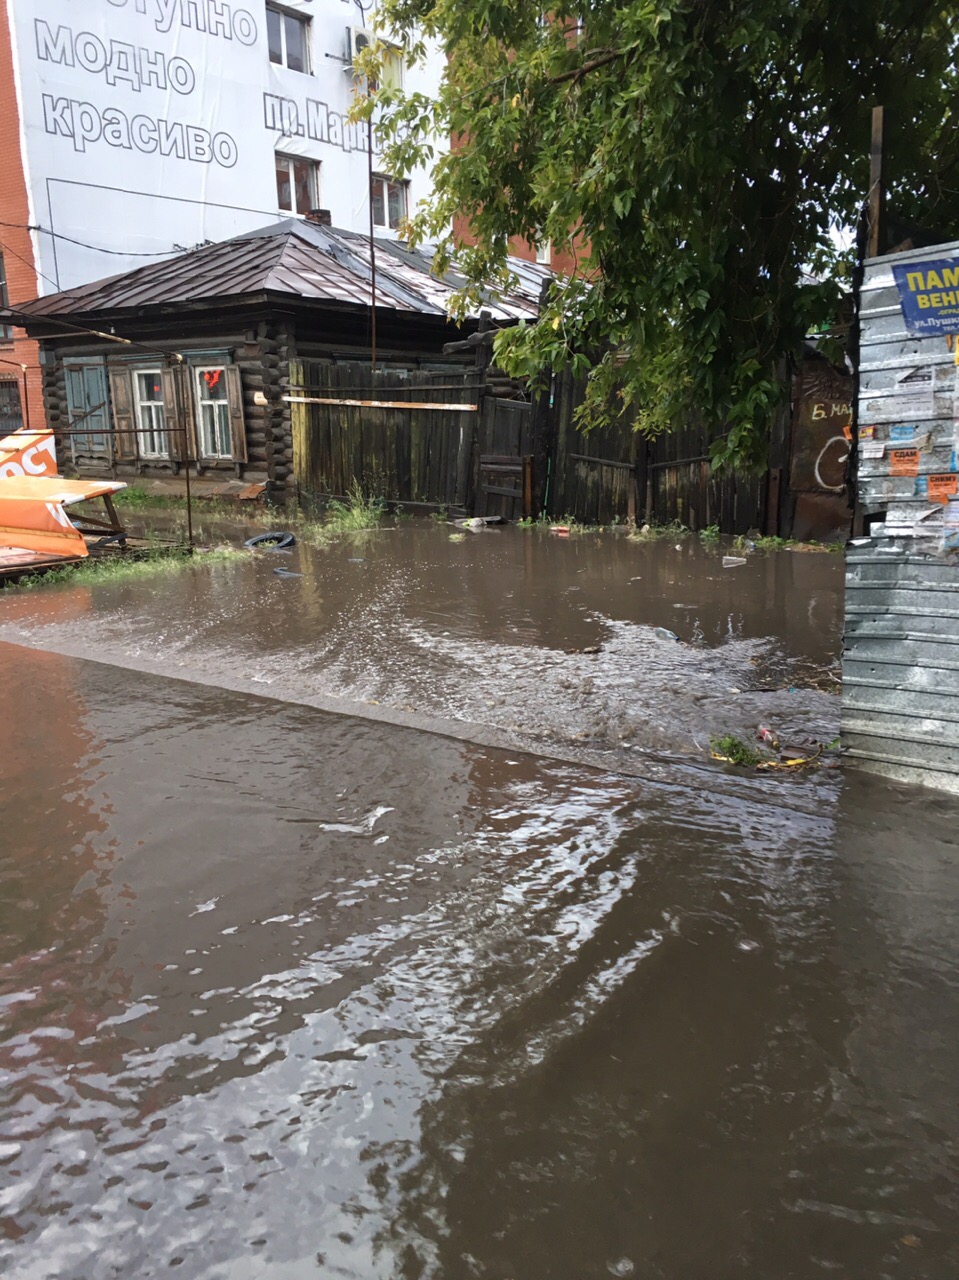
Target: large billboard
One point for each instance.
(150, 126)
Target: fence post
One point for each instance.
(542, 437)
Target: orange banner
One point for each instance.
(39, 526)
(28, 453)
(32, 514)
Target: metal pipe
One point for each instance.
(181, 429)
(369, 152)
(385, 404)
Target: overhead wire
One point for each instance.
(56, 235)
(33, 267)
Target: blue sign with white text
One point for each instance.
(929, 296)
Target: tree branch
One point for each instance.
(602, 61)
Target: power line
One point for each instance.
(32, 266)
(20, 316)
(55, 235)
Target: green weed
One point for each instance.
(135, 495)
(735, 750)
(136, 498)
(357, 512)
(710, 534)
(652, 532)
(123, 569)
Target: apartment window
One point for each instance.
(544, 252)
(297, 184)
(6, 331)
(288, 36)
(150, 415)
(389, 202)
(213, 413)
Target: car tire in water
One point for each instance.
(271, 541)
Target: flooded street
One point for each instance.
(483, 637)
(497, 976)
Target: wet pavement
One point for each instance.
(285, 993)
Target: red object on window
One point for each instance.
(211, 377)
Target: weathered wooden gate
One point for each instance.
(505, 463)
(405, 435)
(594, 476)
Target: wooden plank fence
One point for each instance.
(348, 428)
(415, 455)
(611, 474)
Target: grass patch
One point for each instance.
(135, 498)
(735, 751)
(545, 523)
(135, 495)
(764, 542)
(357, 512)
(125, 569)
(653, 532)
(769, 542)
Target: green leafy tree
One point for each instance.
(704, 150)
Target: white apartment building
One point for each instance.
(150, 126)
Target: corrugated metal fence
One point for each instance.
(901, 661)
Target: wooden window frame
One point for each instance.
(236, 424)
(138, 405)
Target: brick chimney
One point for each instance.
(322, 217)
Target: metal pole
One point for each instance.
(181, 430)
(369, 152)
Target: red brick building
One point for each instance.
(18, 274)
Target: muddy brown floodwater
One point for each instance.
(289, 993)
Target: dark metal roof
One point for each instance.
(297, 259)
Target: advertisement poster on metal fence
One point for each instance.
(929, 295)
